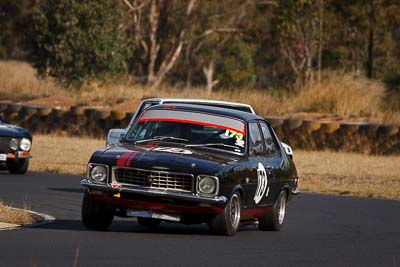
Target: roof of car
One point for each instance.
(201, 101)
(246, 116)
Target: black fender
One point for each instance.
(239, 188)
(286, 187)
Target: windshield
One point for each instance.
(191, 129)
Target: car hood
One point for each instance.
(13, 131)
(164, 158)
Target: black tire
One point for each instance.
(18, 167)
(95, 215)
(227, 222)
(148, 222)
(275, 219)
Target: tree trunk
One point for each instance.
(370, 63)
(321, 23)
(208, 71)
(154, 46)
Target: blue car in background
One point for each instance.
(15, 147)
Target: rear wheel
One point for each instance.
(95, 215)
(18, 167)
(227, 222)
(148, 222)
(275, 219)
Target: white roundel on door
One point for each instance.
(262, 183)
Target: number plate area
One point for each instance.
(3, 157)
(153, 214)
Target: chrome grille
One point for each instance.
(5, 144)
(169, 181)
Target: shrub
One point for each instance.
(73, 40)
(341, 94)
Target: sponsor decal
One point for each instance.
(118, 195)
(174, 150)
(234, 134)
(231, 133)
(239, 143)
(262, 184)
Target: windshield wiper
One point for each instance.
(161, 138)
(212, 144)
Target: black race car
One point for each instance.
(192, 164)
(15, 146)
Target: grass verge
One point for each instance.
(349, 174)
(15, 216)
(320, 172)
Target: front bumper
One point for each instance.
(9, 157)
(217, 200)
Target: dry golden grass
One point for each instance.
(349, 174)
(19, 81)
(323, 172)
(340, 94)
(112, 94)
(62, 154)
(15, 216)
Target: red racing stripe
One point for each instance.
(129, 159)
(122, 159)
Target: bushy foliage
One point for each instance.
(235, 67)
(73, 40)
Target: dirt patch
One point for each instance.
(56, 101)
(128, 106)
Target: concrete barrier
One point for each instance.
(300, 134)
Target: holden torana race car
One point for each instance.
(192, 164)
(15, 146)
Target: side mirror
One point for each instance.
(121, 137)
(114, 136)
(288, 150)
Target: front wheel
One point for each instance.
(95, 215)
(18, 167)
(275, 219)
(227, 222)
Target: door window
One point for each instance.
(270, 142)
(256, 144)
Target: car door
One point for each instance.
(272, 161)
(256, 181)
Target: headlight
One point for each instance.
(207, 185)
(25, 144)
(14, 144)
(98, 173)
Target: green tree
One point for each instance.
(14, 18)
(235, 65)
(73, 40)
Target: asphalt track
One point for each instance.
(320, 230)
